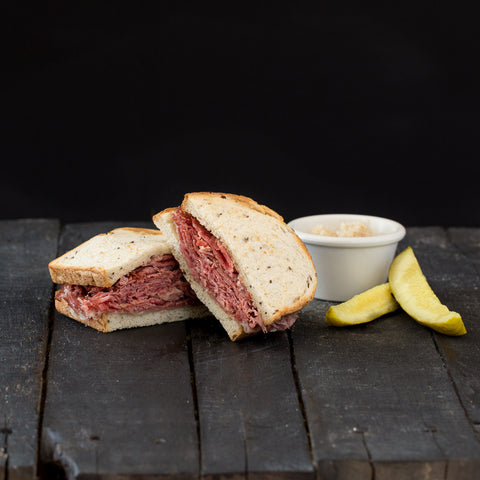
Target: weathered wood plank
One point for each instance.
(386, 400)
(379, 401)
(467, 240)
(462, 294)
(119, 405)
(450, 261)
(26, 247)
(251, 424)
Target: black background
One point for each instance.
(113, 111)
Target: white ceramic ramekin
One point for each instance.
(347, 266)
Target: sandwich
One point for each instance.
(122, 279)
(243, 262)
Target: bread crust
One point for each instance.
(160, 216)
(103, 259)
(249, 202)
(109, 322)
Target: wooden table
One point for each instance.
(387, 400)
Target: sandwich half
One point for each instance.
(243, 262)
(122, 279)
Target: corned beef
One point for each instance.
(212, 267)
(156, 285)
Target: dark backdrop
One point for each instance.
(114, 112)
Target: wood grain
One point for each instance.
(386, 400)
(26, 247)
(251, 423)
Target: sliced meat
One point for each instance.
(212, 267)
(156, 285)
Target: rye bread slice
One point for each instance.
(273, 263)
